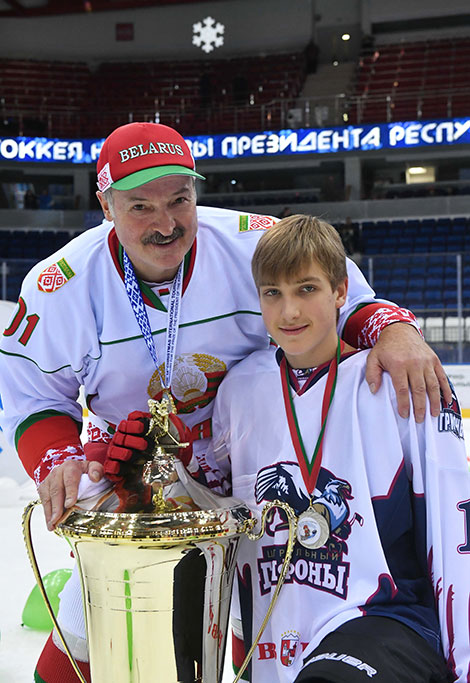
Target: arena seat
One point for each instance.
(198, 96)
(413, 80)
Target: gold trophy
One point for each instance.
(139, 552)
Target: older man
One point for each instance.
(158, 296)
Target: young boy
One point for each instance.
(378, 584)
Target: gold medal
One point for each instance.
(313, 530)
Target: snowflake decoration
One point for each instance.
(206, 34)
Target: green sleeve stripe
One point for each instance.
(37, 417)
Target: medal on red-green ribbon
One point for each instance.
(313, 529)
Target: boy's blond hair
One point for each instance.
(292, 244)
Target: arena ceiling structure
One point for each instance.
(38, 8)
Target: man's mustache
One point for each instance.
(158, 238)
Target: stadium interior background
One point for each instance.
(354, 110)
(235, 73)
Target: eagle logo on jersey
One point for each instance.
(53, 277)
(322, 568)
(450, 417)
(283, 481)
(194, 383)
(254, 221)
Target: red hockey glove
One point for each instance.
(130, 444)
(127, 445)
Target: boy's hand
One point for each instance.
(412, 365)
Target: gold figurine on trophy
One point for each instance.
(160, 472)
(151, 482)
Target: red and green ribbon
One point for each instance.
(309, 467)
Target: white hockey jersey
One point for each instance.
(75, 327)
(397, 495)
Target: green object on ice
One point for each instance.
(35, 614)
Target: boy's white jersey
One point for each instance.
(397, 497)
(75, 326)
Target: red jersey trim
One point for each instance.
(356, 322)
(55, 431)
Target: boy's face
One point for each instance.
(300, 315)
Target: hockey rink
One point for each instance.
(19, 646)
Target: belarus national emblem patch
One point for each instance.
(53, 277)
(254, 221)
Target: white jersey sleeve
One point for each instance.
(217, 457)
(437, 466)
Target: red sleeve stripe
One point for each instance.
(52, 432)
(363, 327)
(356, 321)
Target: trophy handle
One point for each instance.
(292, 520)
(28, 511)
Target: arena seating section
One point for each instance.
(404, 81)
(71, 100)
(409, 81)
(409, 261)
(414, 261)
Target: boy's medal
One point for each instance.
(313, 530)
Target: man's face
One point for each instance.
(156, 224)
(300, 315)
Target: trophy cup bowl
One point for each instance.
(134, 594)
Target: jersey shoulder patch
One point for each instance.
(254, 221)
(53, 277)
